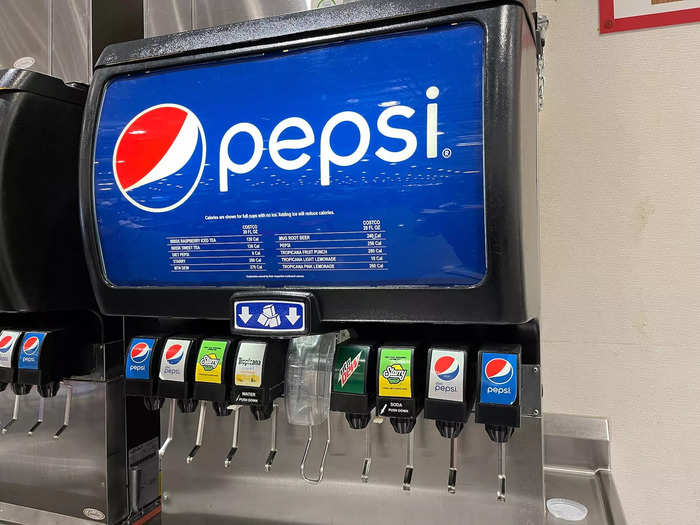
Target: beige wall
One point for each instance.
(620, 221)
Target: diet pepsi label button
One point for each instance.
(173, 360)
(270, 316)
(30, 349)
(446, 380)
(499, 378)
(138, 358)
(8, 340)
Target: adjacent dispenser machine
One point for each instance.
(321, 230)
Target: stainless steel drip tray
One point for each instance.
(206, 492)
(577, 467)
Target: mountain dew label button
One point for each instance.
(395, 372)
(349, 369)
(249, 363)
(209, 361)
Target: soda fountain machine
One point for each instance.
(329, 217)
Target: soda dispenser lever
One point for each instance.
(171, 424)
(400, 393)
(200, 432)
(234, 440)
(319, 478)
(66, 413)
(176, 378)
(15, 415)
(354, 391)
(212, 383)
(273, 439)
(9, 355)
(39, 418)
(308, 389)
(498, 406)
(449, 397)
(258, 380)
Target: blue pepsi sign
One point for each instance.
(271, 316)
(499, 378)
(138, 358)
(30, 349)
(352, 164)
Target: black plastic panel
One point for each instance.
(42, 263)
(510, 291)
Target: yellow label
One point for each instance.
(210, 362)
(395, 372)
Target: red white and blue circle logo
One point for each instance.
(159, 157)
(139, 352)
(499, 371)
(31, 345)
(5, 344)
(446, 368)
(174, 354)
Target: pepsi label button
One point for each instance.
(8, 340)
(139, 358)
(30, 349)
(446, 379)
(173, 360)
(499, 378)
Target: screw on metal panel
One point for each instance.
(608, 24)
(535, 370)
(535, 412)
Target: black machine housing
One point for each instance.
(42, 266)
(509, 294)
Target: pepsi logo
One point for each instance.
(174, 354)
(5, 343)
(499, 371)
(31, 345)
(159, 157)
(139, 352)
(446, 368)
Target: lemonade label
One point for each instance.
(209, 359)
(395, 372)
(249, 363)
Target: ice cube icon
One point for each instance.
(269, 317)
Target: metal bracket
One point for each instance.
(542, 26)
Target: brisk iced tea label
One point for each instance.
(209, 359)
(349, 369)
(395, 372)
(249, 363)
(446, 380)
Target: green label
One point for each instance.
(349, 369)
(395, 372)
(209, 359)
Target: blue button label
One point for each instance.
(30, 350)
(272, 316)
(499, 378)
(138, 358)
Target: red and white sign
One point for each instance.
(625, 15)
